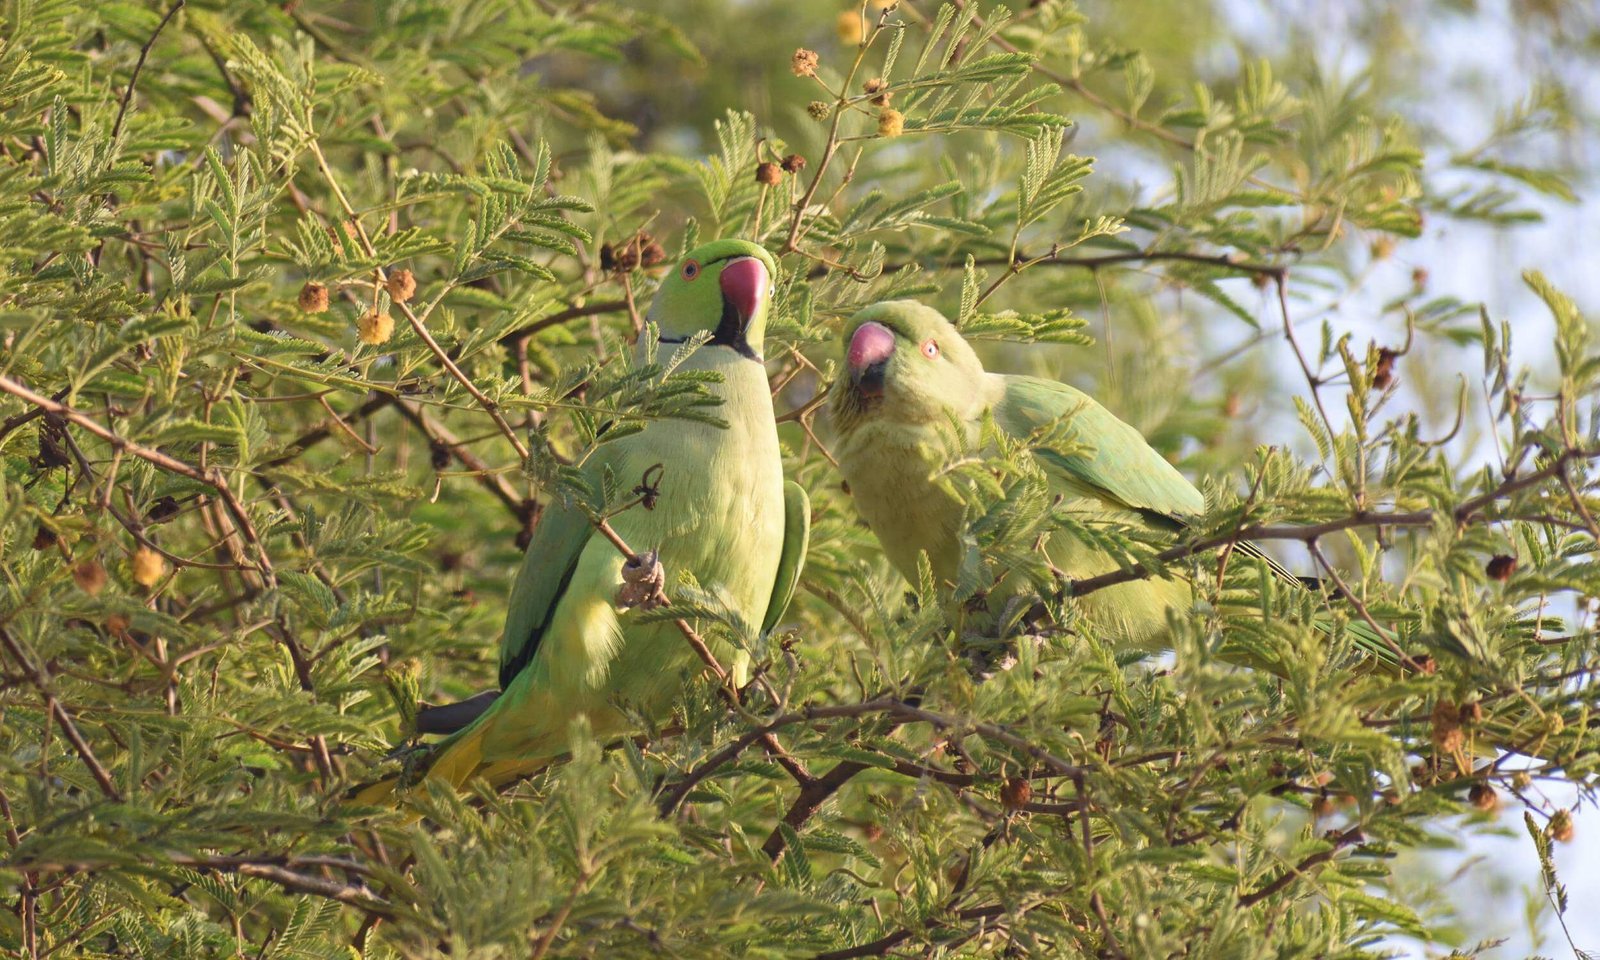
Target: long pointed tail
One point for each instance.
(455, 761)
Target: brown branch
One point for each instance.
(62, 716)
(1339, 841)
(812, 796)
(212, 477)
(543, 946)
(281, 870)
(1465, 513)
(438, 434)
(417, 325)
(560, 317)
(1222, 261)
(144, 54)
(882, 946)
(315, 436)
(890, 706)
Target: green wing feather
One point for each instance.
(547, 567)
(796, 539)
(1122, 468)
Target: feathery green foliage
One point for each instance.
(260, 496)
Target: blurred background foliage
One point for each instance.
(260, 495)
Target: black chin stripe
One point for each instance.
(730, 332)
(741, 348)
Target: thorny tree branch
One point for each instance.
(562, 316)
(138, 67)
(211, 477)
(1465, 513)
(1222, 261)
(417, 324)
(285, 871)
(61, 716)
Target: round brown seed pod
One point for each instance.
(1015, 793)
(402, 286)
(313, 298)
(804, 62)
(1500, 567)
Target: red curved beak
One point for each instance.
(870, 349)
(744, 286)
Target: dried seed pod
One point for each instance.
(1484, 797)
(162, 510)
(1447, 735)
(402, 286)
(313, 298)
(90, 577)
(769, 174)
(793, 163)
(44, 538)
(1560, 827)
(1500, 567)
(804, 62)
(643, 578)
(1383, 371)
(1015, 793)
(639, 250)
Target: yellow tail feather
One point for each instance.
(456, 764)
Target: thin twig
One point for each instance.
(62, 716)
(144, 53)
(212, 477)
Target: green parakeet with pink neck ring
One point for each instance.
(724, 514)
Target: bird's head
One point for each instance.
(906, 363)
(724, 287)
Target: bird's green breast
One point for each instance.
(890, 468)
(719, 517)
(720, 514)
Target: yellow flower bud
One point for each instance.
(851, 30)
(148, 567)
(374, 328)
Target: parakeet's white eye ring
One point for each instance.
(930, 349)
(691, 269)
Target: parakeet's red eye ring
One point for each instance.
(930, 349)
(691, 269)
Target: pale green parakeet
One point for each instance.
(724, 514)
(909, 375)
